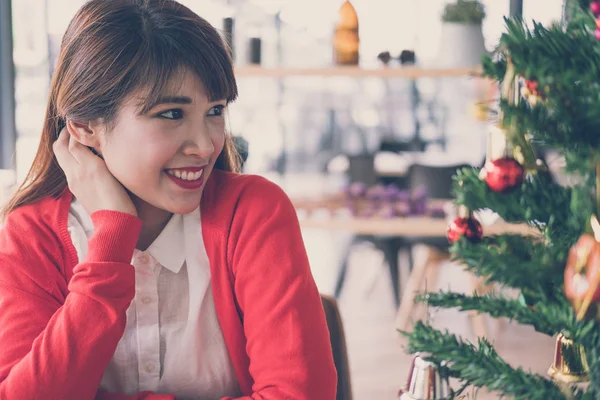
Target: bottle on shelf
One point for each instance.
(345, 39)
(228, 30)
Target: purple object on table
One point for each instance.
(392, 192)
(387, 211)
(402, 209)
(403, 196)
(376, 192)
(418, 201)
(356, 190)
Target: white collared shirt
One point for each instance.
(173, 341)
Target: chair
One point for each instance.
(362, 169)
(338, 345)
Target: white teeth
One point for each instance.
(186, 175)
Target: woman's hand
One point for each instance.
(89, 179)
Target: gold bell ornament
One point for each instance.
(570, 364)
(425, 382)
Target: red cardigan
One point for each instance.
(60, 322)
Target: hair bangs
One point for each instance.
(157, 72)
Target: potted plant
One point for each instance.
(462, 37)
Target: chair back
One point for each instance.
(437, 180)
(361, 168)
(338, 345)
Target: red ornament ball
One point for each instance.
(595, 7)
(467, 227)
(504, 174)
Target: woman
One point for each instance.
(135, 263)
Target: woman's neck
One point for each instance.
(154, 221)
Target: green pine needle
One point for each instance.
(480, 365)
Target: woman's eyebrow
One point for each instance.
(173, 100)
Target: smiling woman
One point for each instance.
(135, 262)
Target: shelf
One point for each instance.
(355, 72)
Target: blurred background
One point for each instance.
(316, 118)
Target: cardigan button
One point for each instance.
(149, 367)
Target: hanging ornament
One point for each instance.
(582, 264)
(486, 90)
(465, 225)
(509, 153)
(479, 111)
(582, 272)
(531, 93)
(504, 174)
(570, 363)
(595, 7)
(425, 382)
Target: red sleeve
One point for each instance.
(52, 346)
(284, 322)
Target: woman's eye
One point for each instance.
(217, 111)
(172, 114)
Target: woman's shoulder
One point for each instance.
(35, 227)
(42, 214)
(30, 242)
(254, 197)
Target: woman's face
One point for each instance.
(165, 156)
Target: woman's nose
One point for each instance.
(200, 145)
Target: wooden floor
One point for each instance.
(378, 362)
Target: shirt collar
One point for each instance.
(168, 249)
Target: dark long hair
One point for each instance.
(112, 48)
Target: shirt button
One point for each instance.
(143, 258)
(147, 300)
(149, 367)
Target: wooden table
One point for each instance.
(424, 274)
(404, 226)
(323, 213)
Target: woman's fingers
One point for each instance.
(61, 150)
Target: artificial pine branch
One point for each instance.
(514, 261)
(546, 318)
(481, 366)
(562, 213)
(567, 69)
(550, 50)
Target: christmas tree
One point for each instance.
(550, 80)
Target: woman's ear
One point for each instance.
(85, 133)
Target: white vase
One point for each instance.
(461, 45)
